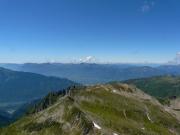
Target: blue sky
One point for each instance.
(109, 30)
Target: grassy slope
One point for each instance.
(163, 86)
(116, 108)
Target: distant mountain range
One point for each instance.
(96, 73)
(108, 108)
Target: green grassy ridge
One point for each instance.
(161, 86)
(31, 124)
(113, 112)
(51, 99)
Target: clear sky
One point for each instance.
(109, 30)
